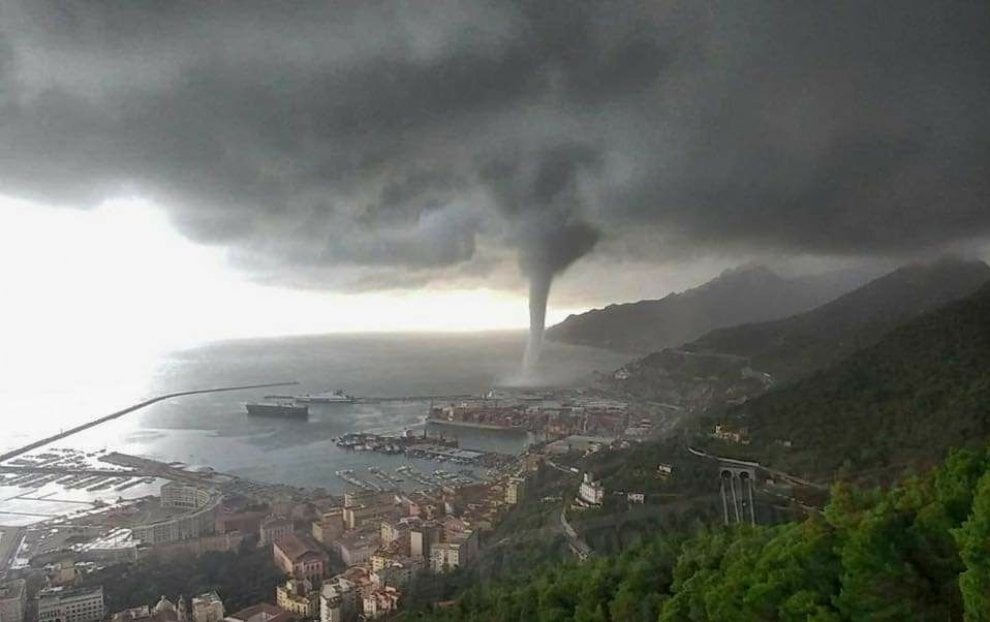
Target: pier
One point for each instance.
(120, 413)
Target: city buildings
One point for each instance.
(244, 522)
(329, 527)
(515, 488)
(134, 614)
(397, 571)
(300, 558)
(379, 602)
(179, 495)
(13, 600)
(166, 611)
(338, 600)
(299, 597)
(355, 547)
(422, 537)
(457, 549)
(207, 607)
(359, 515)
(59, 604)
(273, 529)
(163, 611)
(393, 531)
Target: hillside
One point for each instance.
(791, 347)
(902, 402)
(917, 552)
(733, 364)
(744, 295)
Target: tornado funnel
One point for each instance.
(539, 291)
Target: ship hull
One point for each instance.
(278, 410)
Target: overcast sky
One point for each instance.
(422, 150)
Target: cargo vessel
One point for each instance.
(289, 410)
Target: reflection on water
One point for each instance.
(213, 429)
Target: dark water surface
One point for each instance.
(212, 430)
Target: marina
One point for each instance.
(348, 476)
(438, 449)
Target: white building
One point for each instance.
(59, 604)
(380, 602)
(591, 493)
(338, 601)
(460, 549)
(298, 597)
(13, 599)
(207, 607)
(203, 505)
(178, 495)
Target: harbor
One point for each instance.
(424, 447)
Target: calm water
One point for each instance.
(213, 430)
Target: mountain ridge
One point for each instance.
(898, 404)
(734, 364)
(746, 294)
(795, 345)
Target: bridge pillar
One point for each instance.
(740, 481)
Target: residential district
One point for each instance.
(344, 558)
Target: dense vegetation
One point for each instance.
(241, 578)
(904, 402)
(920, 551)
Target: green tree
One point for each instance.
(974, 544)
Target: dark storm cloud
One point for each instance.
(379, 144)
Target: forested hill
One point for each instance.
(905, 401)
(792, 347)
(744, 295)
(918, 552)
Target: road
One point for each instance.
(120, 413)
(578, 546)
(794, 479)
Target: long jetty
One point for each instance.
(386, 398)
(120, 413)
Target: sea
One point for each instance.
(213, 431)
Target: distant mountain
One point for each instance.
(731, 365)
(792, 347)
(748, 294)
(902, 402)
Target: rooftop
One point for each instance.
(65, 592)
(296, 547)
(12, 589)
(262, 612)
(206, 598)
